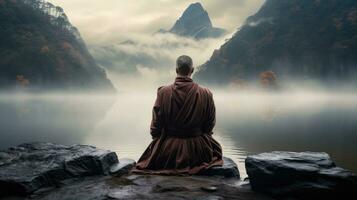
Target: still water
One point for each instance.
(247, 123)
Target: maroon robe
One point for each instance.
(183, 119)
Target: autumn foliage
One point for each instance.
(268, 79)
(67, 46)
(45, 49)
(21, 80)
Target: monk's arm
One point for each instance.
(156, 122)
(211, 116)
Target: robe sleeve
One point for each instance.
(211, 115)
(156, 122)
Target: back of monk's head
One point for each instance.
(184, 66)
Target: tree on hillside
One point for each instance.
(268, 80)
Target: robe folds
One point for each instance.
(183, 118)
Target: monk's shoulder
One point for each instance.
(205, 90)
(163, 89)
(159, 89)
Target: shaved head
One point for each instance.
(184, 65)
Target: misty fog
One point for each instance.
(248, 121)
(151, 58)
(114, 21)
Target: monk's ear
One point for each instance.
(192, 70)
(177, 71)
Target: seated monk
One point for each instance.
(182, 123)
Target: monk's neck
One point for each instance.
(183, 79)
(182, 76)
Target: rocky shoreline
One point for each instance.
(52, 171)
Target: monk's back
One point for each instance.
(183, 118)
(187, 108)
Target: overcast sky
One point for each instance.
(108, 21)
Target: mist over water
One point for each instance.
(248, 121)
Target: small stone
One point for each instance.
(162, 189)
(122, 167)
(209, 189)
(228, 170)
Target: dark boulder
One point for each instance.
(228, 170)
(29, 167)
(305, 175)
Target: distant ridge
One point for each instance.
(294, 39)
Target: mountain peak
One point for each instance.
(195, 6)
(196, 10)
(195, 22)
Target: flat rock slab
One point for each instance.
(305, 175)
(152, 187)
(228, 170)
(29, 167)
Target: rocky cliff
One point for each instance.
(295, 38)
(40, 48)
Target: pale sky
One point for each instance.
(112, 21)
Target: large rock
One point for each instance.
(29, 167)
(228, 170)
(304, 175)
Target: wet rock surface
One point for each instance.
(42, 171)
(152, 187)
(45, 171)
(29, 167)
(305, 175)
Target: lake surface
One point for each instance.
(247, 123)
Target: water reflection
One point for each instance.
(246, 122)
(292, 122)
(65, 119)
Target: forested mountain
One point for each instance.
(293, 38)
(196, 23)
(40, 48)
